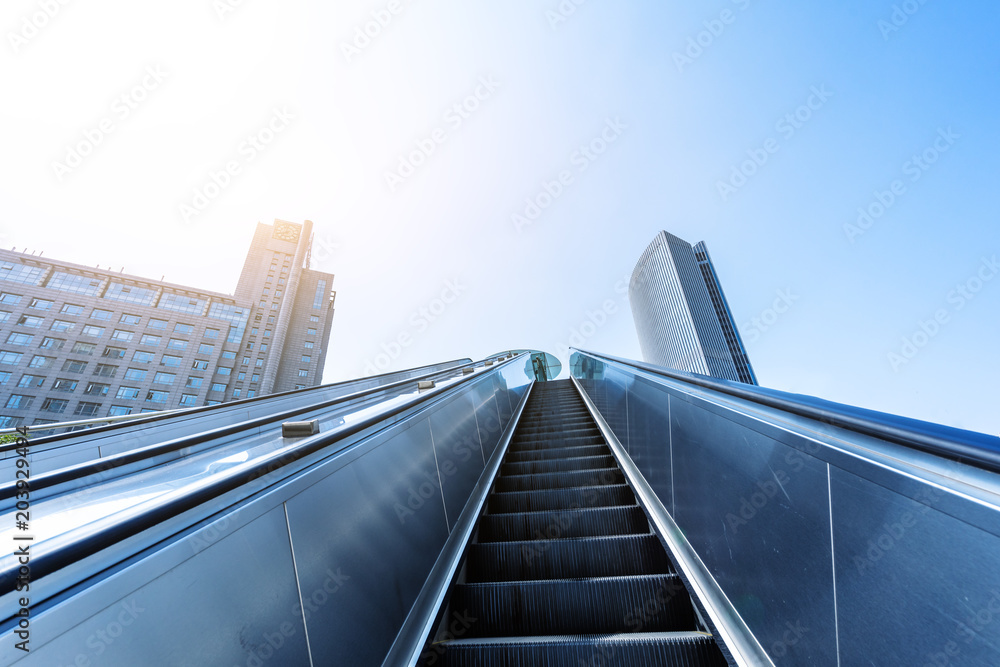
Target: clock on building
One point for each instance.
(286, 231)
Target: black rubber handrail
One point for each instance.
(970, 447)
(69, 473)
(173, 414)
(112, 529)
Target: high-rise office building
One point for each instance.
(78, 342)
(681, 314)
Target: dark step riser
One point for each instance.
(564, 465)
(557, 454)
(559, 480)
(598, 606)
(556, 525)
(555, 443)
(567, 559)
(560, 499)
(582, 652)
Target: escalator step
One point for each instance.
(558, 465)
(560, 480)
(554, 441)
(558, 453)
(591, 522)
(649, 603)
(555, 499)
(558, 427)
(675, 649)
(615, 556)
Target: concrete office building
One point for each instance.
(681, 315)
(78, 342)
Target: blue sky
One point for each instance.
(534, 90)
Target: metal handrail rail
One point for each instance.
(94, 537)
(970, 447)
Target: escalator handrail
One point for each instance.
(969, 447)
(98, 466)
(94, 537)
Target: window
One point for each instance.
(251, 393)
(236, 393)
(211, 402)
(122, 335)
(71, 309)
(153, 396)
(145, 410)
(20, 273)
(310, 332)
(100, 314)
(141, 357)
(300, 386)
(92, 331)
(149, 339)
(64, 384)
(10, 299)
(19, 402)
(87, 409)
(266, 292)
(82, 348)
(41, 304)
(200, 365)
(226, 354)
(114, 352)
(164, 378)
(219, 386)
(4, 378)
(119, 410)
(74, 366)
(255, 377)
(281, 281)
(135, 375)
(37, 361)
(182, 304)
(270, 279)
(10, 422)
(222, 370)
(306, 358)
(29, 321)
(62, 325)
(263, 347)
(55, 405)
(127, 393)
(262, 304)
(259, 363)
(303, 373)
(246, 360)
(270, 319)
(189, 399)
(155, 323)
(211, 333)
(130, 294)
(19, 339)
(70, 282)
(253, 331)
(249, 346)
(241, 376)
(183, 328)
(106, 370)
(127, 318)
(193, 382)
(4, 315)
(170, 360)
(274, 306)
(309, 345)
(177, 344)
(205, 348)
(314, 318)
(267, 333)
(31, 381)
(97, 389)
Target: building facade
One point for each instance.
(78, 342)
(681, 315)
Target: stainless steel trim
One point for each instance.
(418, 625)
(733, 631)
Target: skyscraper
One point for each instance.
(78, 342)
(681, 314)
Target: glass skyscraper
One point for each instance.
(681, 314)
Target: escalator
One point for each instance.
(563, 567)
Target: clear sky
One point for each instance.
(759, 127)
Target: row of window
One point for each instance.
(131, 374)
(9, 358)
